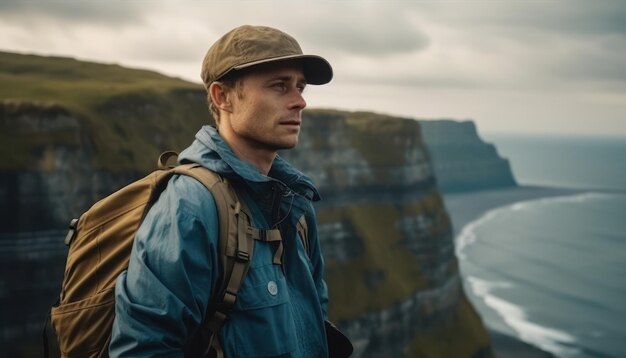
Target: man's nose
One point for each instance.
(297, 101)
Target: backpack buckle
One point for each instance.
(72, 232)
(242, 256)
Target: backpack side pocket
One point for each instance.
(83, 327)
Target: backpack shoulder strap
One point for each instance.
(236, 243)
(303, 231)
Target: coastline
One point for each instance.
(466, 207)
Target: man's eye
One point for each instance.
(281, 86)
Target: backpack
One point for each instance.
(100, 243)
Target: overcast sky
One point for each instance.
(554, 67)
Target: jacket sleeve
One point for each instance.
(162, 297)
(317, 261)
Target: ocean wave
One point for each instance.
(489, 287)
(576, 198)
(467, 235)
(548, 339)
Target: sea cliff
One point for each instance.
(462, 161)
(87, 129)
(387, 238)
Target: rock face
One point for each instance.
(462, 161)
(387, 239)
(47, 183)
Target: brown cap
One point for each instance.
(248, 46)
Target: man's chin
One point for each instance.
(287, 147)
(289, 142)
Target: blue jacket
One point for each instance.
(162, 298)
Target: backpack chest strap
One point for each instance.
(271, 235)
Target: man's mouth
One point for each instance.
(293, 122)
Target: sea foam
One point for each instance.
(549, 339)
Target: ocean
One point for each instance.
(552, 271)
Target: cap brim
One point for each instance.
(317, 70)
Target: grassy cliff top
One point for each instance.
(123, 115)
(126, 117)
(76, 84)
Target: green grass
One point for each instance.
(126, 115)
(74, 83)
(376, 137)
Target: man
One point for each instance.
(255, 78)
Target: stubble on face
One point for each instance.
(268, 107)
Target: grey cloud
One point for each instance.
(605, 65)
(427, 82)
(570, 18)
(172, 49)
(555, 43)
(374, 42)
(113, 12)
(590, 18)
(364, 29)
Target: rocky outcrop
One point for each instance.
(462, 161)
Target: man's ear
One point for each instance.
(220, 96)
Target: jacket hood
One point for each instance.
(212, 152)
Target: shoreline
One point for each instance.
(467, 207)
(506, 346)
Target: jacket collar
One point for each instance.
(212, 152)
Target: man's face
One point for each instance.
(266, 115)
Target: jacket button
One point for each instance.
(272, 288)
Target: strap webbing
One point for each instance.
(229, 216)
(271, 235)
(303, 231)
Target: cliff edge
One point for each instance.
(462, 160)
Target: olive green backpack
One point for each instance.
(100, 243)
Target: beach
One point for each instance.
(465, 208)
